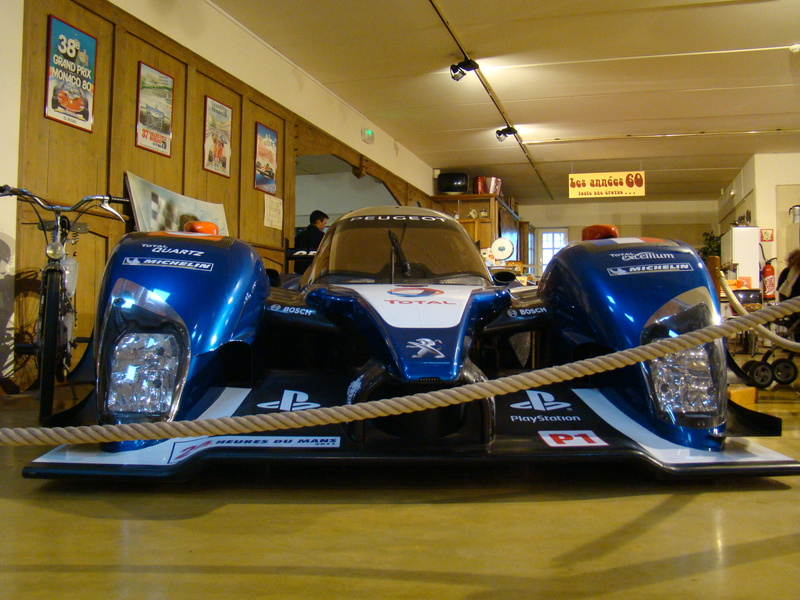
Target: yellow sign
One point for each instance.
(597, 185)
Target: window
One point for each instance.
(549, 241)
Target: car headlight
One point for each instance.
(143, 357)
(142, 374)
(688, 388)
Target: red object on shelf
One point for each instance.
(768, 281)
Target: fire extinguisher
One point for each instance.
(768, 280)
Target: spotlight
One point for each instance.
(503, 133)
(458, 71)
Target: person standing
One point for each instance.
(788, 286)
(309, 239)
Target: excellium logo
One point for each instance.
(414, 291)
(292, 400)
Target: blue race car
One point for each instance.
(398, 301)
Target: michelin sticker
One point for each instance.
(657, 268)
(133, 261)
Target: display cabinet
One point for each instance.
(486, 217)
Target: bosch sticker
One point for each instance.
(526, 312)
(292, 310)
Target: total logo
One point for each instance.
(540, 402)
(292, 400)
(414, 291)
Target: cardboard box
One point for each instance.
(743, 395)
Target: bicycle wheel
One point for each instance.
(26, 318)
(48, 343)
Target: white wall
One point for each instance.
(338, 193)
(620, 213)
(756, 186)
(11, 76)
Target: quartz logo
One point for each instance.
(292, 400)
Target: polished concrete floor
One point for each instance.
(402, 533)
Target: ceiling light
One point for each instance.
(458, 71)
(503, 133)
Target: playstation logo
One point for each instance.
(540, 402)
(292, 400)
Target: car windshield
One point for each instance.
(397, 247)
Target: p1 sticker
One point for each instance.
(571, 439)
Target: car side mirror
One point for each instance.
(504, 277)
(274, 277)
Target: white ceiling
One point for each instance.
(685, 90)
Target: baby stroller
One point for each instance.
(781, 370)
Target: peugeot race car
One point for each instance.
(397, 301)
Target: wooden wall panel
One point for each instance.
(64, 163)
(199, 182)
(252, 202)
(166, 171)
(58, 161)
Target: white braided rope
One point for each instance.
(34, 436)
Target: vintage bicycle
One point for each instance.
(54, 340)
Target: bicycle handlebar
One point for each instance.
(103, 200)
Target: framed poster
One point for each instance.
(217, 141)
(266, 159)
(158, 209)
(70, 75)
(154, 110)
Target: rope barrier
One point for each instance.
(33, 436)
(763, 331)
